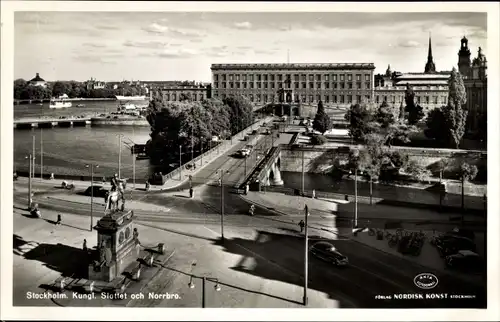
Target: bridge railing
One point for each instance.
(177, 172)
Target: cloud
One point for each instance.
(92, 59)
(156, 28)
(265, 51)
(243, 25)
(145, 44)
(244, 47)
(94, 45)
(408, 43)
(106, 27)
(186, 33)
(178, 53)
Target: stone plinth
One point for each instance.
(117, 246)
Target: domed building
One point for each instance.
(38, 81)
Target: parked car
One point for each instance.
(327, 252)
(462, 233)
(465, 260)
(449, 245)
(99, 191)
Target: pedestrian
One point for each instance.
(58, 222)
(85, 245)
(190, 192)
(301, 225)
(314, 194)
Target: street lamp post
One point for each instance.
(33, 160)
(204, 280)
(120, 155)
(356, 198)
(371, 190)
(306, 256)
(41, 154)
(91, 166)
(222, 204)
(201, 153)
(30, 201)
(180, 162)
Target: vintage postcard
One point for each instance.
(185, 156)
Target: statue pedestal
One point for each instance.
(117, 247)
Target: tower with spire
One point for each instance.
(429, 66)
(464, 63)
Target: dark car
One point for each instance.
(327, 252)
(465, 260)
(460, 232)
(99, 191)
(449, 244)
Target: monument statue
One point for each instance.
(117, 193)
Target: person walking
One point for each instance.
(302, 225)
(59, 219)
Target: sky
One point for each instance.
(155, 46)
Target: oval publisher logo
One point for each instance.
(426, 281)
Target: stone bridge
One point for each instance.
(267, 172)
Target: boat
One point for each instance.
(80, 105)
(130, 98)
(127, 107)
(60, 102)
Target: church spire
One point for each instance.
(430, 67)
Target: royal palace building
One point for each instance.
(191, 91)
(333, 84)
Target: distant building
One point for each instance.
(94, 84)
(176, 92)
(38, 81)
(475, 81)
(334, 84)
(430, 87)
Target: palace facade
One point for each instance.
(192, 91)
(337, 85)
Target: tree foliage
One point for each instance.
(384, 116)
(240, 112)
(468, 171)
(318, 139)
(437, 127)
(359, 118)
(322, 121)
(417, 171)
(454, 112)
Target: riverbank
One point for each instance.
(21, 102)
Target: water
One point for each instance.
(67, 150)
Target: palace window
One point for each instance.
(327, 85)
(272, 85)
(385, 98)
(216, 85)
(296, 85)
(358, 99)
(251, 78)
(265, 85)
(237, 78)
(427, 100)
(334, 77)
(224, 85)
(311, 98)
(244, 78)
(335, 98)
(358, 85)
(341, 99)
(304, 85)
(318, 85)
(244, 85)
(223, 77)
(327, 78)
(265, 77)
(327, 99)
(377, 99)
(393, 99)
(311, 85)
(231, 85)
(259, 85)
(311, 78)
(303, 98)
(349, 99)
(258, 98)
(216, 78)
(349, 77)
(271, 77)
(435, 99)
(280, 85)
(367, 77)
(167, 97)
(238, 85)
(280, 78)
(201, 96)
(349, 85)
(251, 85)
(265, 97)
(231, 78)
(358, 77)
(296, 77)
(318, 98)
(342, 85)
(342, 77)
(174, 97)
(318, 77)
(335, 85)
(367, 85)
(258, 78)
(367, 98)
(303, 77)
(418, 99)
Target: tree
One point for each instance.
(468, 172)
(417, 171)
(437, 127)
(322, 121)
(220, 123)
(454, 112)
(384, 115)
(185, 97)
(241, 112)
(359, 118)
(415, 115)
(19, 86)
(318, 139)
(409, 99)
(59, 88)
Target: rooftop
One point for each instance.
(422, 76)
(295, 66)
(37, 79)
(401, 82)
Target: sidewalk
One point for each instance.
(190, 243)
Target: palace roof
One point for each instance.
(306, 66)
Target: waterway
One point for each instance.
(67, 150)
